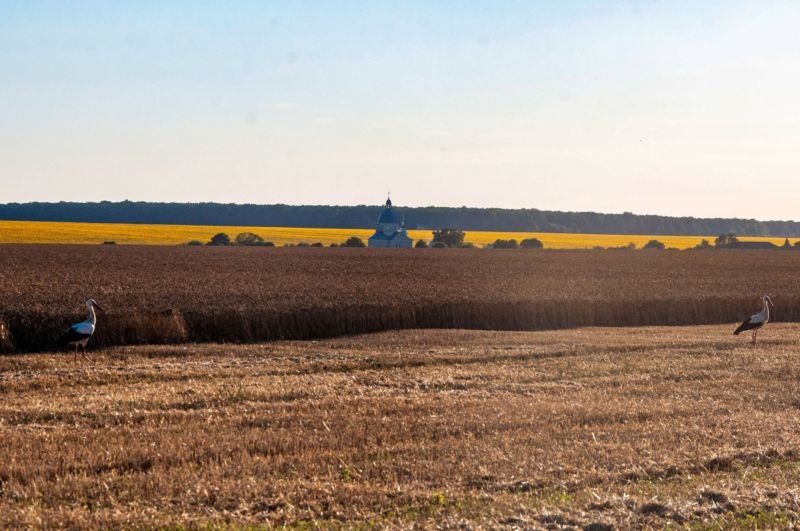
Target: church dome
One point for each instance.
(388, 215)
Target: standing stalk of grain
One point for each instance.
(6, 344)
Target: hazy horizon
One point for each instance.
(675, 109)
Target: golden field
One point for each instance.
(137, 234)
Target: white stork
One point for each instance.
(79, 333)
(756, 321)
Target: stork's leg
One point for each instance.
(84, 354)
(76, 352)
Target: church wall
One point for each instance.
(377, 243)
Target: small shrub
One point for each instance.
(112, 242)
(726, 240)
(354, 241)
(449, 237)
(531, 243)
(505, 244)
(654, 244)
(317, 244)
(438, 245)
(195, 243)
(630, 247)
(421, 244)
(249, 239)
(220, 239)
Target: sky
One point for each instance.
(665, 107)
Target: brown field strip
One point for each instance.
(647, 427)
(176, 295)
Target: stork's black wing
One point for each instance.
(748, 325)
(71, 336)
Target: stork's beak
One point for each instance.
(97, 306)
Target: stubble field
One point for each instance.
(633, 428)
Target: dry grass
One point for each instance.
(652, 427)
(138, 234)
(172, 295)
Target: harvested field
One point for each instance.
(650, 427)
(174, 295)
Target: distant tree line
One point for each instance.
(448, 238)
(528, 243)
(245, 239)
(363, 216)
(441, 239)
(729, 240)
(249, 239)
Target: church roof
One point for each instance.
(379, 235)
(389, 215)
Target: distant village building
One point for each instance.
(391, 231)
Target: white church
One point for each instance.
(391, 231)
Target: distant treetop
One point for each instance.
(449, 237)
(654, 244)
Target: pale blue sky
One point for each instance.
(670, 107)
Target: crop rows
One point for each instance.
(174, 295)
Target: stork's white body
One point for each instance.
(78, 335)
(761, 318)
(84, 328)
(756, 321)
